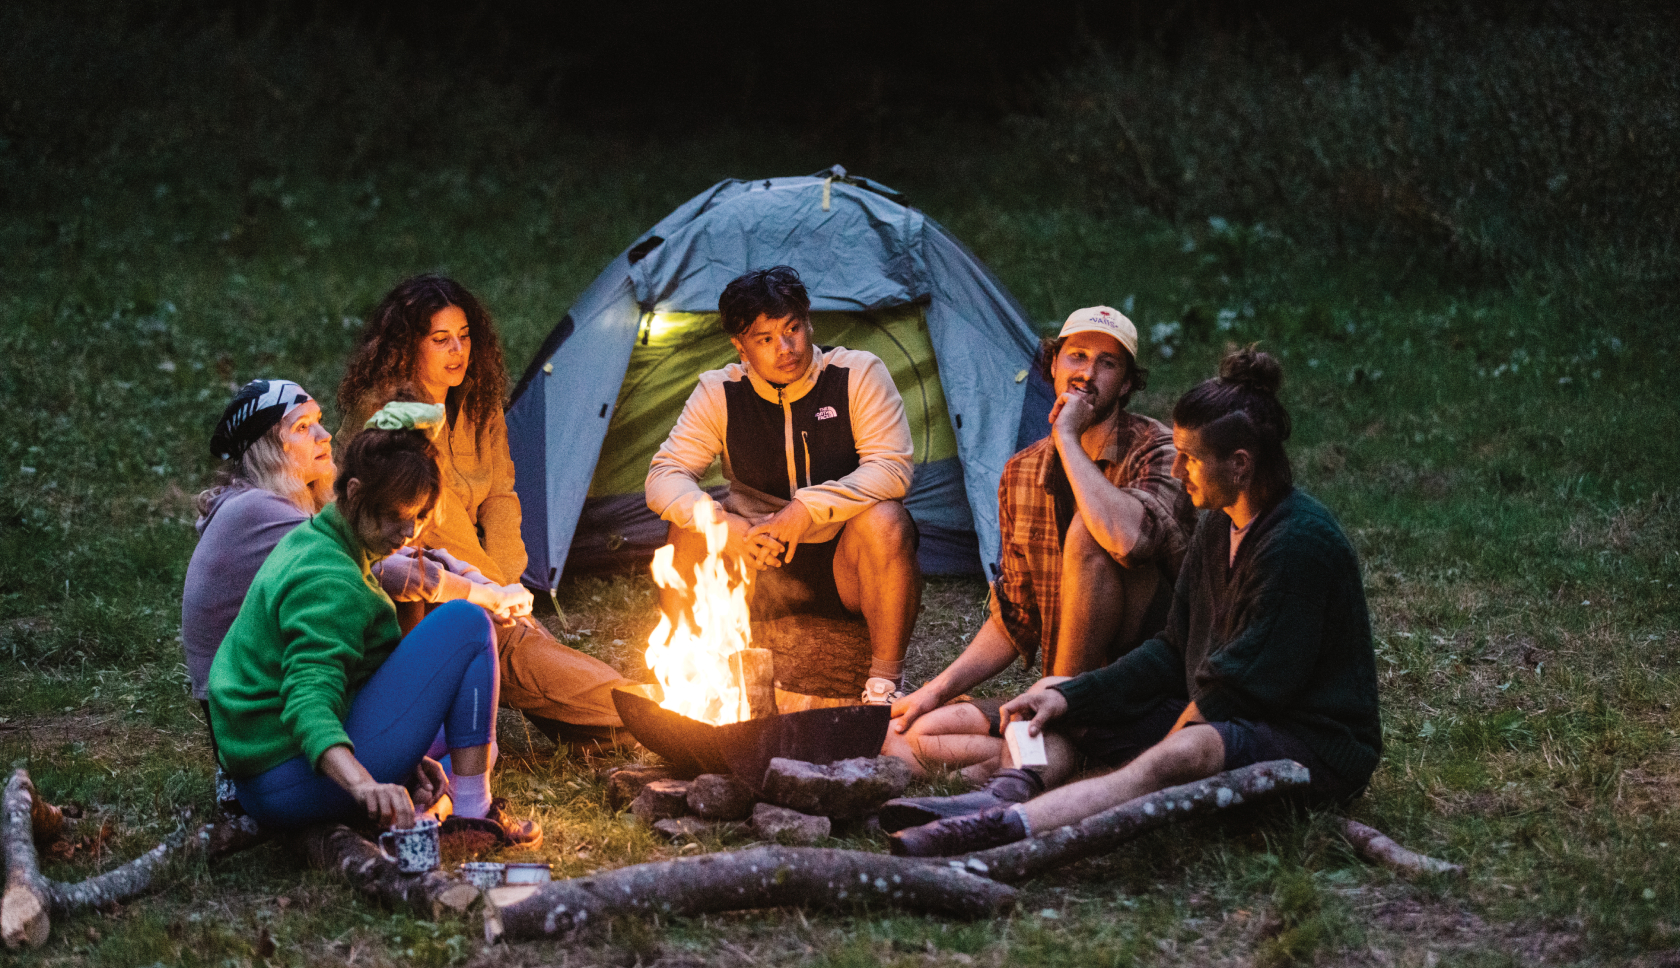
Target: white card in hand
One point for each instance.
(1024, 748)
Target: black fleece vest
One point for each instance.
(823, 446)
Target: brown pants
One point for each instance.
(542, 677)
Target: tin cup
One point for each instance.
(483, 874)
(527, 873)
(414, 849)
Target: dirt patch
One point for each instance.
(1407, 930)
(102, 736)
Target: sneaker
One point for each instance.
(521, 834)
(960, 835)
(1006, 788)
(881, 692)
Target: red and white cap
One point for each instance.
(1103, 319)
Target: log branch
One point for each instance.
(31, 900)
(335, 847)
(1105, 831)
(1374, 845)
(760, 877)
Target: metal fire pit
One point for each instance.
(745, 749)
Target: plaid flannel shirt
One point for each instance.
(1027, 595)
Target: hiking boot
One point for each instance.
(881, 692)
(960, 835)
(1005, 788)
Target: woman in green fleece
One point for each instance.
(323, 710)
(1266, 654)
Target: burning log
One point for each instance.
(31, 901)
(1374, 845)
(755, 670)
(1105, 831)
(761, 877)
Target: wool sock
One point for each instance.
(471, 794)
(887, 669)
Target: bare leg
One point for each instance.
(1101, 601)
(1192, 753)
(470, 760)
(954, 735)
(876, 573)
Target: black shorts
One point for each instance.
(805, 585)
(1246, 742)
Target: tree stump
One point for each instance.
(817, 655)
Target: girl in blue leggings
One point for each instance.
(321, 708)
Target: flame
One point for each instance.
(691, 657)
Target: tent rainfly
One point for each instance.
(608, 383)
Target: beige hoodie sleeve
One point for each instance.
(882, 434)
(673, 481)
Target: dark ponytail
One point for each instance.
(397, 468)
(1239, 410)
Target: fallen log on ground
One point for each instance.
(1103, 832)
(335, 847)
(1374, 845)
(760, 877)
(31, 900)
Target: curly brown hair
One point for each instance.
(388, 352)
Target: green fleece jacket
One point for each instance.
(314, 627)
(1282, 636)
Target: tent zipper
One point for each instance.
(805, 435)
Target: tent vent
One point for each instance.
(604, 411)
(639, 251)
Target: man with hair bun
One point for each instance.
(817, 452)
(1266, 653)
(1094, 527)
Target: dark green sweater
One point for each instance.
(1281, 637)
(314, 627)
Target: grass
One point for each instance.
(1497, 452)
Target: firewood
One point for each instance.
(1101, 833)
(761, 877)
(335, 847)
(755, 670)
(1374, 845)
(31, 900)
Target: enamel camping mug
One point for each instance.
(414, 849)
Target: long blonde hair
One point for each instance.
(263, 465)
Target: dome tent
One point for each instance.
(606, 386)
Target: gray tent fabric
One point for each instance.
(858, 248)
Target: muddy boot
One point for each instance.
(960, 835)
(1006, 787)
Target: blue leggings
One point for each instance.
(442, 673)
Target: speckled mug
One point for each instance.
(483, 874)
(415, 848)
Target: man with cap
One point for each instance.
(1094, 528)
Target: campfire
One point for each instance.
(714, 708)
(696, 657)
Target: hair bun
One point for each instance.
(1252, 369)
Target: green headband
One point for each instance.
(407, 416)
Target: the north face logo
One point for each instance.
(827, 413)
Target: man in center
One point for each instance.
(817, 451)
(1094, 530)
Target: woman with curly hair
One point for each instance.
(430, 332)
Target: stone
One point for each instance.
(715, 796)
(661, 799)
(625, 783)
(789, 826)
(843, 789)
(677, 828)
